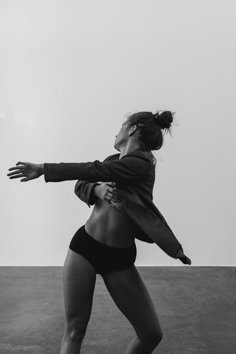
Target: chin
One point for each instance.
(116, 147)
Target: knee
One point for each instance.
(158, 337)
(76, 330)
(153, 338)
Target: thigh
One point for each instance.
(79, 279)
(131, 296)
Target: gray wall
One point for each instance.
(71, 71)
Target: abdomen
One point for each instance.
(110, 226)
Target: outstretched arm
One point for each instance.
(131, 167)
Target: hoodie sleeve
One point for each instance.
(85, 192)
(129, 168)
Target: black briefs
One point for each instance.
(103, 258)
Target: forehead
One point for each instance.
(125, 124)
(126, 117)
(126, 120)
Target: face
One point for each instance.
(122, 137)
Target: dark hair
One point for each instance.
(150, 126)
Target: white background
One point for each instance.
(71, 71)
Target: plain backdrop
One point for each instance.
(71, 71)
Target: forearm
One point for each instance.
(95, 191)
(93, 197)
(128, 169)
(85, 191)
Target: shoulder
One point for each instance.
(143, 155)
(112, 157)
(148, 157)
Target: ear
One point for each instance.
(132, 129)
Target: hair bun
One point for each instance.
(164, 119)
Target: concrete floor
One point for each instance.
(196, 307)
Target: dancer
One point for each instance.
(120, 188)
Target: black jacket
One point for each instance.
(134, 175)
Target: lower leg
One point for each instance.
(70, 344)
(140, 347)
(69, 347)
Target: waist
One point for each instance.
(111, 227)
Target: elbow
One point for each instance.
(76, 189)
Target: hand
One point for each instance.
(107, 191)
(27, 170)
(184, 259)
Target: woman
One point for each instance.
(105, 245)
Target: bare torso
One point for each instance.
(110, 226)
